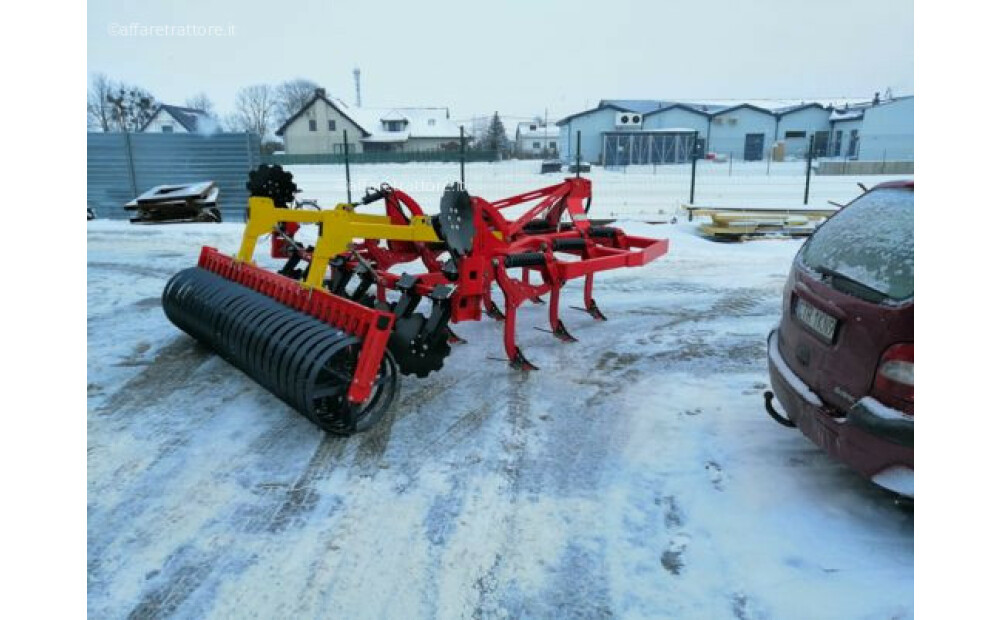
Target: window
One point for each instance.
(167, 129)
(534, 127)
(870, 243)
(393, 125)
(552, 145)
(312, 124)
(331, 125)
(794, 134)
(852, 147)
(536, 145)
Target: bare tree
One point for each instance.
(255, 107)
(203, 103)
(132, 107)
(100, 112)
(292, 96)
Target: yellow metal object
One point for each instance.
(340, 227)
(814, 214)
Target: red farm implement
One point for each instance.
(332, 329)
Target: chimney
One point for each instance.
(321, 92)
(357, 86)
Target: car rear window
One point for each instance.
(870, 242)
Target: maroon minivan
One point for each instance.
(841, 359)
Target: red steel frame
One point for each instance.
(496, 239)
(499, 238)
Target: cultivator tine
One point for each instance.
(588, 300)
(454, 338)
(592, 310)
(562, 333)
(519, 362)
(494, 312)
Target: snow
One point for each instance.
(636, 475)
(881, 410)
(644, 193)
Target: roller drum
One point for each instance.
(305, 362)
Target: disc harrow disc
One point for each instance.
(303, 361)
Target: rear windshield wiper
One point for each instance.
(863, 290)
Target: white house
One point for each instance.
(175, 119)
(620, 131)
(536, 138)
(318, 128)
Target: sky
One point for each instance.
(521, 58)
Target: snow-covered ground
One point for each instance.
(646, 192)
(635, 475)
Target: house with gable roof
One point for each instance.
(318, 127)
(177, 119)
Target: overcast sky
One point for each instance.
(520, 57)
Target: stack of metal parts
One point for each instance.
(176, 204)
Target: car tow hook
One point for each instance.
(771, 411)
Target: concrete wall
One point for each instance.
(835, 167)
(809, 120)
(887, 132)
(727, 132)
(160, 120)
(299, 140)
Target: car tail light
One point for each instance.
(894, 378)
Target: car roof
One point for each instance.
(904, 184)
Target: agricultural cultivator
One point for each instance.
(376, 295)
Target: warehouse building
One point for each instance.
(641, 132)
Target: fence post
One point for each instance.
(694, 167)
(730, 164)
(347, 167)
(768, 173)
(131, 164)
(578, 153)
(461, 153)
(809, 167)
(883, 161)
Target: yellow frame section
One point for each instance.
(341, 226)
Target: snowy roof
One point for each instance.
(419, 123)
(189, 118)
(429, 122)
(541, 130)
(776, 107)
(847, 115)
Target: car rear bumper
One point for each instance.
(872, 439)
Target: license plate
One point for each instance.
(815, 319)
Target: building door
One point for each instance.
(821, 143)
(852, 147)
(753, 147)
(838, 137)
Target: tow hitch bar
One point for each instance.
(771, 411)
